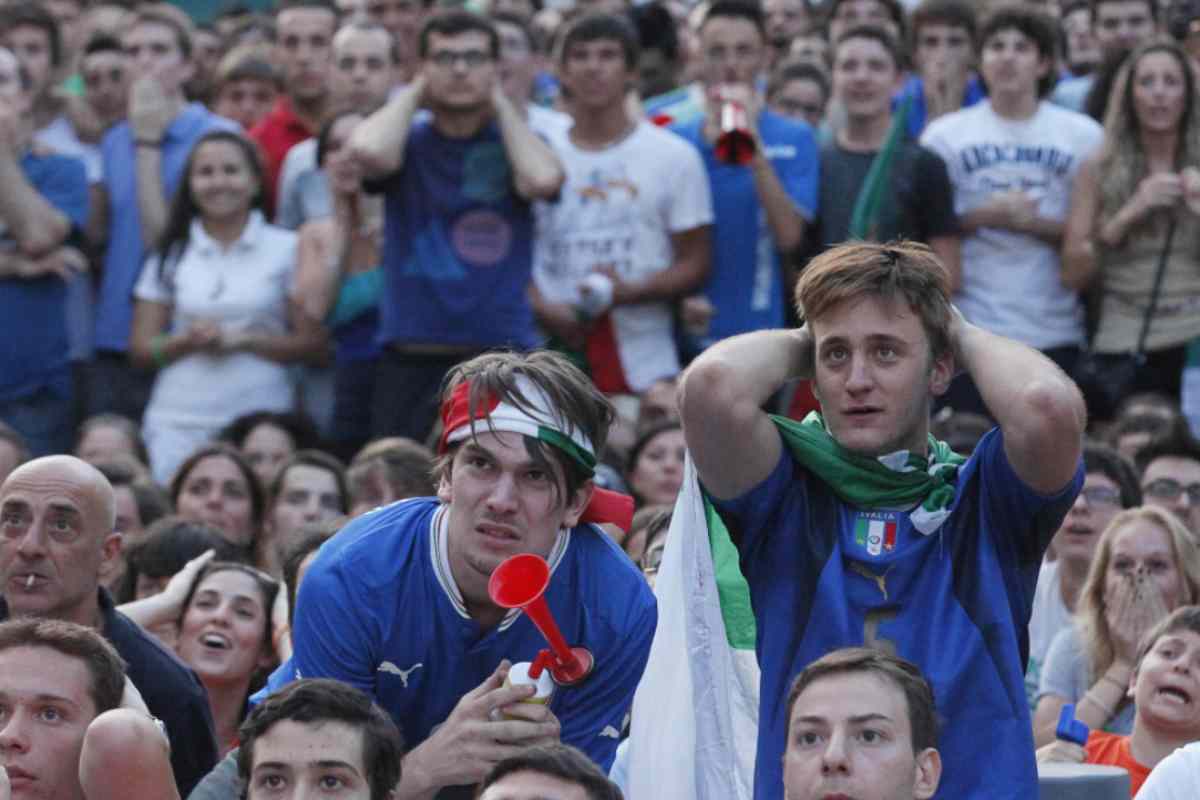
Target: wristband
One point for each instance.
(158, 345)
(152, 143)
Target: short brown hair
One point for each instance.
(575, 398)
(406, 467)
(557, 760)
(1184, 618)
(896, 270)
(107, 668)
(906, 676)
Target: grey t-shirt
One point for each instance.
(222, 783)
(1066, 673)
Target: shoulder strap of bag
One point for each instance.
(1139, 354)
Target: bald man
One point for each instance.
(57, 518)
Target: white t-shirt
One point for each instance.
(1050, 615)
(1011, 281)
(619, 207)
(243, 287)
(60, 137)
(1176, 777)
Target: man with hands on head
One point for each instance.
(859, 528)
(457, 252)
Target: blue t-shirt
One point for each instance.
(824, 575)
(33, 313)
(457, 251)
(918, 113)
(126, 251)
(377, 611)
(746, 283)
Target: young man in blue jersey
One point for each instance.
(864, 529)
(397, 603)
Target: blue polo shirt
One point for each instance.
(746, 283)
(126, 252)
(33, 313)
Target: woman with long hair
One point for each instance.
(216, 311)
(217, 486)
(1146, 565)
(1144, 181)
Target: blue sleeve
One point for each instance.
(593, 716)
(62, 181)
(754, 515)
(1021, 520)
(335, 634)
(800, 174)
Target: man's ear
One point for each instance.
(941, 373)
(929, 773)
(577, 502)
(445, 491)
(110, 548)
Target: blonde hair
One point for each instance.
(898, 270)
(1090, 617)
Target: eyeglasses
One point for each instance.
(792, 108)
(1171, 489)
(446, 59)
(1101, 496)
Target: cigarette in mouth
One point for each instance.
(29, 582)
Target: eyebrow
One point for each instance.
(814, 719)
(322, 764)
(46, 697)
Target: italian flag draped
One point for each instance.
(695, 715)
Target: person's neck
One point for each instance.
(1071, 575)
(1015, 106)
(87, 613)
(226, 231)
(864, 134)
(597, 129)
(310, 110)
(1160, 148)
(226, 701)
(1149, 747)
(46, 109)
(461, 124)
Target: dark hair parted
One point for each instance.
(951, 13)
(317, 700)
(897, 271)
(177, 231)
(556, 761)
(597, 27)
(1104, 460)
(737, 9)
(105, 666)
(455, 23)
(906, 676)
(258, 503)
(34, 15)
(572, 394)
(318, 459)
(1032, 23)
(877, 34)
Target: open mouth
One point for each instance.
(498, 533)
(1175, 695)
(28, 581)
(216, 641)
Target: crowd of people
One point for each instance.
(858, 337)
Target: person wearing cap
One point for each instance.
(397, 603)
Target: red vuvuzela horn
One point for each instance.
(520, 582)
(735, 144)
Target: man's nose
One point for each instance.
(859, 375)
(835, 757)
(13, 735)
(503, 495)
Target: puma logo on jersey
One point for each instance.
(880, 581)
(610, 732)
(392, 669)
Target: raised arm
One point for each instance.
(150, 113)
(1040, 410)
(732, 440)
(537, 172)
(378, 141)
(1078, 252)
(36, 225)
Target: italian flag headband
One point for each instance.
(540, 421)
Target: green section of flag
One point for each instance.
(732, 589)
(861, 529)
